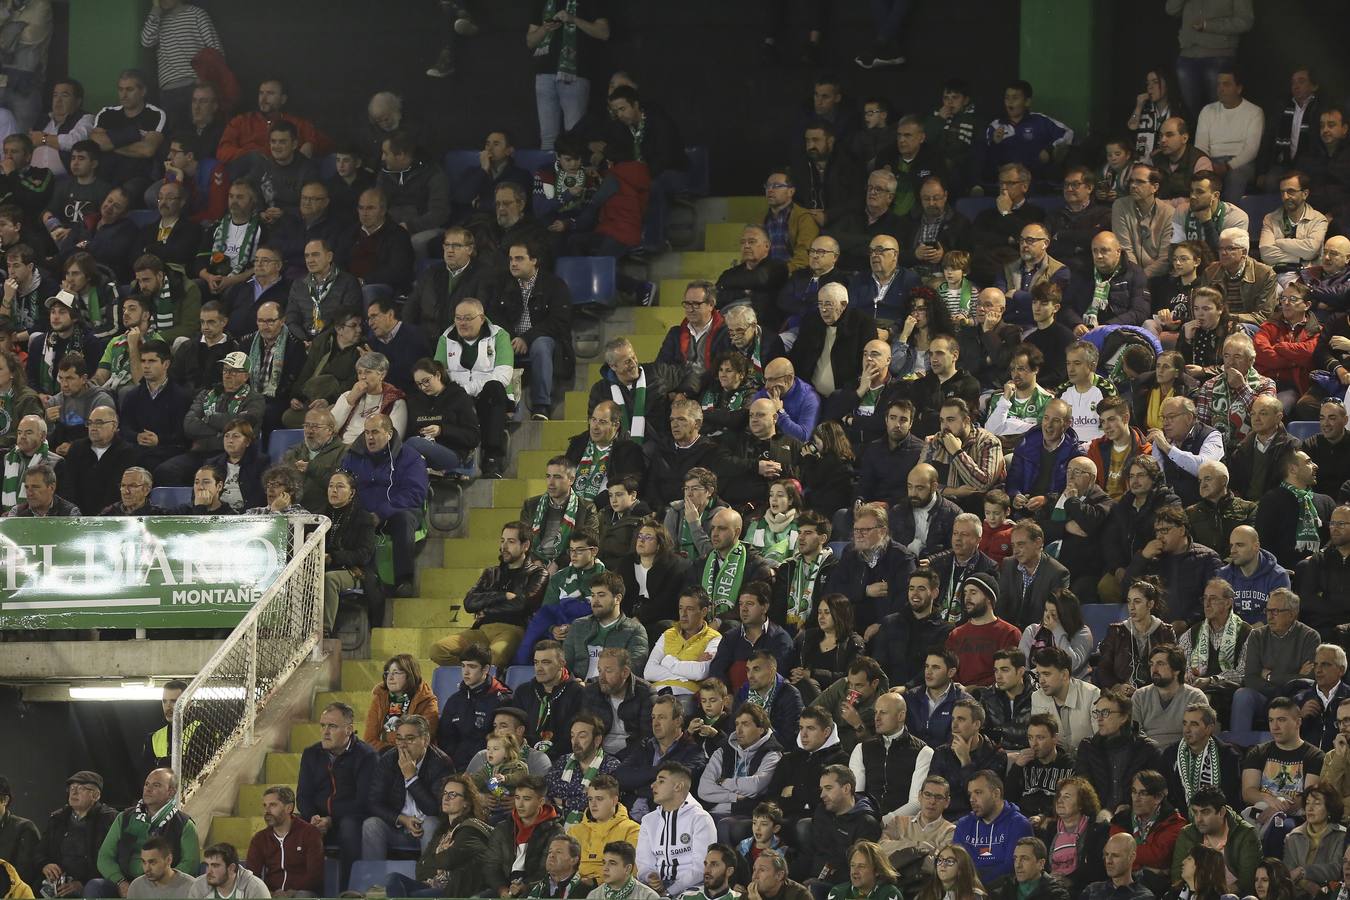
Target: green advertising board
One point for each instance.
(154, 572)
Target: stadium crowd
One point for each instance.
(932, 556)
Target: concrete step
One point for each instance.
(387, 642)
(249, 801)
(723, 237)
(473, 553)
(555, 434)
(356, 698)
(658, 319)
(236, 831)
(529, 464)
(362, 674)
(445, 586)
(303, 734)
(487, 524)
(431, 612)
(703, 264)
(575, 403)
(282, 768)
(749, 208)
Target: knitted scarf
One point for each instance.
(802, 587)
(774, 534)
(1101, 294)
(1226, 413)
(267, 379)
(161, 303)
(1193, 226)
(592, 471)
(569, 518)
(634, 416)
(1194, 771)
(1141, 827)
(726, 587)
(1227, 647)
(398, 706)
(247, 246)
(565, 183)
(763, 700)
(1308, 520)
(716, 398)
(154, 822)
(16, 464)
(570, 771)
(318, 292)
(567, 51)
(619, 893)
(233, 403)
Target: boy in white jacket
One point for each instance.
(674, 837)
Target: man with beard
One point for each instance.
(288, 854)
(1159, 706)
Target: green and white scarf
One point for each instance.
(1221, 403)
(1197, 771)
(569, 518)
(1309, 521)
(162, 304)
(247, 247)
(155, 822)
(1101, 294)
(726, 587)
(635, 416)
(567, 52)
(592, 471)
(638, 134)
(232, 404)
(619, 893)
(12, 491)
(1227, 646)
(570, 771)
(774, 535)
(1193, 226)
(764, 700)
(956, 297)
(802, 587)
(269, 379)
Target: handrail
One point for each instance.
(218, 710)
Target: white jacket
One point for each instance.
(496, 360)
(673, 844)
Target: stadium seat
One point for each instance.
(170, 498)
(589, 278)
(837, 548)
(445, 681)
(518, 675)
(1099, 616)
(1303, 430)
(698, 182)
(282, 440)
(1256, 206)
(459, 162)
(144, 217)
(970, 207)
(534, 160)
(328, 166)
(366, 873)
(1047, 202)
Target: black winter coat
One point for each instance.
(99, 819)
(1110, 763)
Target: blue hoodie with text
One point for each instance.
(1250, 591)
(991, 843)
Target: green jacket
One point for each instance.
(1241, 855)
(627, 633)
(314, 484)
(120, 859)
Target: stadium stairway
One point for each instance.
(450, 563)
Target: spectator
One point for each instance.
(621, 699)
(791, 228)
(839, 824)
(401, 346)
(315, 301)
(1218, 511)
(1213, 821)
(887, 460)
(67, 125)
(912, 163)
(518, 845)
(1159, 706)
(904, 637)
(1074, 226)
(1117, 747)
(1229, 133)
(134, 489)
(871, 569)
(299, 871)
(1248, 286)
(1077, 832)
(1061, 625)
(30, 449)
(229, 245)
(1225, 400)
(400, 692)
(668, 743)
(1276, 774)
(831, 177)
(975, 641)
(393, 498)
(756, 279)
(759, 458)
(1049, 336)
(335, 780)
(676, 664)
(929, 715)
(1292, 236)
(379, 253)
(1181, 565)
(1182, 446)
(923, 524)
(536, 310)
(752, 750)
(1028, 579)
(989, 808)
(1036, 772)
(458, 845)
(121, 361)
(1077, 521)
(966, 755)
(1285, 344)
(799, 293)
(1326, 160)
(675, 865)
(119, 856)
(93, 466)
(1316, 579)
(1178, 161)
(39, 484)
(571, 775)
(484, 376)
(419, 193)
(884, 291)
(1030, 139)
(951, 567)
(1320, 704)
(440, 288)
(1292, 514)
(929, 232)
(1042, 457)
(1276, 654)
(1200, 760)
(1264, 453)
(1119, 293)
(1031, 267)
(1200, 341)
(129, 134)
(845, 330)
(858, 226)
(1118, 858)
(1215, 646)
(68, 853)
(1070, 701)
(1253, 573)
(419, 766)
(69, 342)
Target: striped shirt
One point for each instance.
(178, 35)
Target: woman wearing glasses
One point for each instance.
(442, 421)
(451, 865)
(954, 877)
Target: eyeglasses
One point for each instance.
(423, 382)
(945, 862)
(271, 321)
(646, 537)
(406, 738)
(866, 530)
(1032, 240)
(776, 185)
(820, 251)
(265, 261)
(693, 304)
(929, 795)
(1277, 610)
(873, 189)
(454, 795)
(1104, 713)
(455, 245)
(880, 251)
(464, 320)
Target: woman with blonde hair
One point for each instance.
(870, 875)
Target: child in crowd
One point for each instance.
(996, 541)
(1111, 180)
(498, 779)
(956, 291)
(765, 824)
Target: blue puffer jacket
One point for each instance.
(393, 480)
(1250, 592)
(1026, 462)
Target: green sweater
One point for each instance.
(1242, 853)
(186, 860)
(571, 582)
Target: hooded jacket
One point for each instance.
(595, 835)
(1250, 591)
(501, 860)
(246, 887)
(419, 196)
(1111, 763)
(991, 843)
(832, 835)
(725, 791)
(800, 769)
(389, 481)
(672, 844)
(467, 718)
(422, 703)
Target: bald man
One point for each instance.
(1329, 282)
(798, 296)
(1118, 859)
(841, 329)
(884, 289)
(1253, 573)
(1115, 294)
(730, 566)
(1256, 463)
(757, 278)
(757, 457)
(796, 403)
(1033, 265)
(859, 405)
(987, 344)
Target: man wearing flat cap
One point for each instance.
(68, 855)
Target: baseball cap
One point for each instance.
(236, 360)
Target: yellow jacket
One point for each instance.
(595, 835)
(674, 661)
(19, 890)
(802, 230)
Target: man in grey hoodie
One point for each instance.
(224, 877)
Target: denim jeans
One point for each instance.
(1235, 183)
(1198, 79)
(438, 456)
(561, 105)
(377, 836)
(541, 373)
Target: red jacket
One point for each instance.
(1156, 850)
(247, 133)
(1099, 451)
(295, 864)
(996, 543)
(1284, 354)
(621, 215)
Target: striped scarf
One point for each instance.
(592, 471)
(1309, 521)
(12, 491)
(569, 518)
(570, 771)
(635, 415)
(247, 247)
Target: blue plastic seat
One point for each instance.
(445, 681)
(590, 278)
(282, 440)
(518, 675)
(534, 160)
(1047, 202)
(1303, 430)
(1100, 616)
(970, 207)
(1257, 206)
(328, 166)
(366, 873)
(459, 162)
(837, 548)
(170, 498)
(144, 217)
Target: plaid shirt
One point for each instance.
(1238, 424)
(979, 463)
(776, 224)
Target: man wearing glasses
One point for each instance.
(1177, 561)
(1077, 222)
(243, 300)
(404, 806)
(791, 229)
(479, 358)
(702, 336)
(1117, 752)
(995, 231)
(439, 289)
(1320, 705)
(1336, 763)
(1142, 224)
(1323, 579)
(316, 457)
(884, 290)
(931, 229)
(330, 367)
(1033, 266)
(844, 330)
(857, 227)
(1277, 653)
(822, 268)
(1250, 286)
